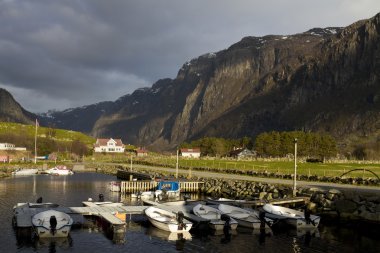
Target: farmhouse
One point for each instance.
(109, 145)
(242, 153)
(191, 152)
(141, 152)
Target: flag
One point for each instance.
(37, 124)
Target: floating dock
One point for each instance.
(113, 213)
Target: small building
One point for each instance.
(109, 146)
(4, 158)
(191, 152)
(10, 146)
(242, 153)
(141, 152)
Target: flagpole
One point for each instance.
(35, 144)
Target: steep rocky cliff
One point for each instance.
(11, 111)
(323, 80)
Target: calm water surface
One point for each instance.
(142, 237)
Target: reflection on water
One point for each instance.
(141, 236)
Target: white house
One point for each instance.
(10, 146)
(191, 152)
(109, 146)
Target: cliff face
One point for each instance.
(323, 79)
(11, 111)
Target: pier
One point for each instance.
(148, 185)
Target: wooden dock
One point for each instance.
(148, 185)
(112, 214)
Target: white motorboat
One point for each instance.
(168, 221)
(292, 217)
(52, 223)
(24, 172)
(60, 170)
(214, 216)
(245, 218)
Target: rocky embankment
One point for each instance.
(347, 205)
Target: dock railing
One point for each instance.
(145, 185)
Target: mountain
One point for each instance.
(11, 111)
(325, 79)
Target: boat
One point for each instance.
(167, 189)
(226, 201)
(215, 216)
(292, 217)
(245, 218)
(143, 195)
(168, 221)
(169, 236)
(24, 172)
(51, 223)
(60, 170)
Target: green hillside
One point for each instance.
(59, 135)
(64, 143)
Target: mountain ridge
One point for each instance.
(324, 79)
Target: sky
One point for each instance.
(69, 53)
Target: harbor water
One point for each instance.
(142, 237)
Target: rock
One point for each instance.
(262, 195)
(345, 206)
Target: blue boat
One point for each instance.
(170, 189)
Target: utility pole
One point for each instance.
(131, 162)
(176, 166)
(295, 168)
(35, 143)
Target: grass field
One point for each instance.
(283, 167)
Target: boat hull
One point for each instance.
(44, 232)
(25, 172)
(290, 216)
(214, 216)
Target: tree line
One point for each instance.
(270, 144)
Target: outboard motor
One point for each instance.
(262, 219)
(53, 224)
(181, 224)
(39, 200)
(101, 197)
(226, 228)
(307, 214)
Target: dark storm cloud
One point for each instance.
(60, 54)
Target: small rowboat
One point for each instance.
(51, 224)
(167, 221)
(290, 216)
(245, 218)
(214, 216)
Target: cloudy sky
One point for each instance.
(67, 53)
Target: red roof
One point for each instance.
(190, 150)
(103, 142)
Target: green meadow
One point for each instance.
(333, 169)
